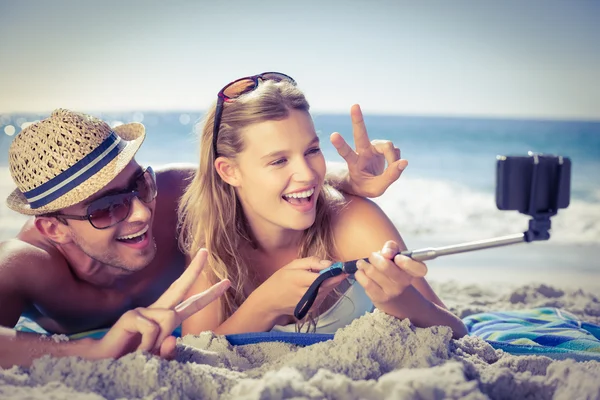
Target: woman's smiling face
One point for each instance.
(281, 172)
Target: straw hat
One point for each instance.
(62, 160)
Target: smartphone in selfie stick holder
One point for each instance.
(537, 185)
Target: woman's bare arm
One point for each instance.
(362, 228)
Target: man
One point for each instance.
(102, 243)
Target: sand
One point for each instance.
(375, 357)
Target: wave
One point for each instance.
(427, 208)
(450, 212)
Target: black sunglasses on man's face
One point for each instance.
(113, 208)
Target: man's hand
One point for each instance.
(149, 329)
(368, 176)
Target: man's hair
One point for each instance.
(210, 212)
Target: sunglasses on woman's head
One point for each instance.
(239, 87)
(113, 208)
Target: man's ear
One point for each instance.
(228, 171)
(53, 229)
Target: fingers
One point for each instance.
(165, 321)
(120, 339)
(332, 282)
(307, 270)
(343, 148)
(401, 263)
(198, 301)
(326, 288)
(178, 289)
(156, 323)
(395, 165)
(168, 349)
(390, 152)
(154, 326)
(416, 269)
(393, 171)
(384, 272)
(149, 330)
(382, 279)
(390, 249)
(359, 130)
(371, 287)
(313, 264)
(387, 148)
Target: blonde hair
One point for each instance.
(210, 213)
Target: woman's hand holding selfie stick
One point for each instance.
(536, 185)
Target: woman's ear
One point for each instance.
(228, 171)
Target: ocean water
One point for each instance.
(445, 195)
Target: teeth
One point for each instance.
(133, 235)
(301, 195)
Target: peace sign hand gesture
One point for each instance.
(149, 329)
(368, 176)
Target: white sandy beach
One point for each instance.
(376, 357)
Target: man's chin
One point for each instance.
(129, 269)
(141, 260)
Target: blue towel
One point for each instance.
(300, 339)
(542, 331)
(25, 324)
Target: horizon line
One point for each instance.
(336, 112)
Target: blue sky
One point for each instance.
(532, 59)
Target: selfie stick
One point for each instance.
(539, 227)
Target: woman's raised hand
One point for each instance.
(367, 173)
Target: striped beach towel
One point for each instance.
(542, 331)
(26, 324)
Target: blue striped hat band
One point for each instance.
(76, 174)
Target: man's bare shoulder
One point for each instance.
(18, 251)
(175, 172)
(172, 179)
(20, 259)
(11, 248)
(30, 273)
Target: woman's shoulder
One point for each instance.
(352, 210)
(361, 227)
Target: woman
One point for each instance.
(270, 223)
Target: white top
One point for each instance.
(351, 305)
